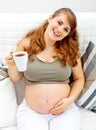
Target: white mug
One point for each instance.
(20, 59)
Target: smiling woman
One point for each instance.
(63, 24)
(55, 41)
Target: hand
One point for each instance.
(9, 59)
(60, 106)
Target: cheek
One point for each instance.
(52, 24)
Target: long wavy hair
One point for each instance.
(67, 49)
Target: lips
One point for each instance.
(56, 33)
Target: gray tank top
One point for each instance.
(48, 73)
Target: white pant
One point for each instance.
(28, 119)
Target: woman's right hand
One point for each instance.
(9, 59)
(13, 73)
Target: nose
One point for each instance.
(60, 28)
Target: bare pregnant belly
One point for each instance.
(42, 97)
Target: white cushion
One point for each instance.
(8, 103)
(87, 97)
(88, 119)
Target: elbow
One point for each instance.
(14, 80)
(81, 81)
(15, 77)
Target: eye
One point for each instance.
(59, 22)
(66, 30)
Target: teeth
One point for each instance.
(56, 33)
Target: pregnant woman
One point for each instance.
(53, 56)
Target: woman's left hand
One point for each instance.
(60, 106)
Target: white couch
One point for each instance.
(12, 28)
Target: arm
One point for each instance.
(78, 81)
(76, 89)
(12, 69)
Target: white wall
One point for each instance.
(31, 6)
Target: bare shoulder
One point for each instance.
(23, 44)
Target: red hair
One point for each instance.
(67, 49)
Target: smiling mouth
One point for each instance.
(56, 33)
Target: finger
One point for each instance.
(8, 57)
(54, 109)
(58, 104)
(56, 112)
(11, 52)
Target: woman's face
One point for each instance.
(58, 27)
